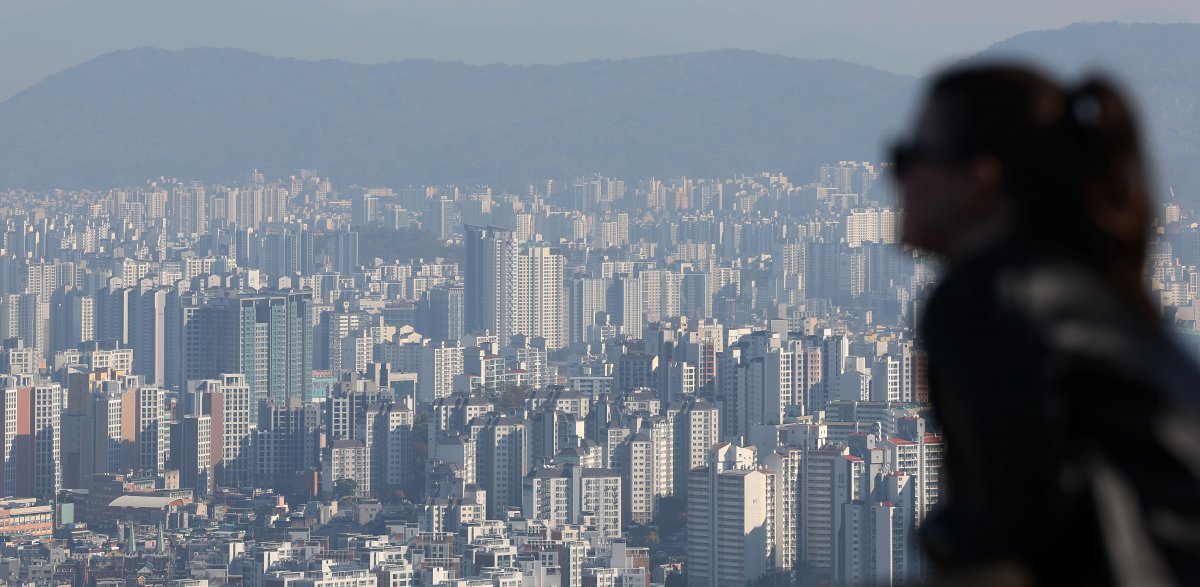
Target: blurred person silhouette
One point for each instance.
(1071, 417)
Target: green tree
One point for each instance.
(343, 488)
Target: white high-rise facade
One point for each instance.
(537, 305)
(731, 519)
(438, 366)
(544, 495)
(639, 478)
(153, 431)
(697, 427)
(47, 439)
(784, 463)
(489, 251)
(513, 289)
(232, 395)
(756, 381)
(596, 492)
(918, 454)
(874, 225)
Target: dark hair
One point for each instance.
(1072, 161)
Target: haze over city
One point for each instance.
(517, 294)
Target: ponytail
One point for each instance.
(1103, 140)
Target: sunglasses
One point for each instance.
(907, 153)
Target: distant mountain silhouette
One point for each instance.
(51, 38)
(212, 114)
(215, 113)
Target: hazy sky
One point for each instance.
(40, 37)
(928, 31)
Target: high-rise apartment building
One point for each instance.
(227, 400)
(267, 337)
(32, 438)
(391, 447)
(918, 454)
(45, 412)
(538, 308)
(878, 537)
(829, 479)
(624, 305)
(438, 367)
(764, 377)
(731, 519)
(587, 298)
(489, 260)
(346, 466)
(286, 442)
(193, 445)
(571, 494)
(149, 325)
(335, 327)
(513, 289)
(697, 428)
(444, 318)
(502, 459)
(784, 464)
(870, 225)
(74, 319)
(152, 426)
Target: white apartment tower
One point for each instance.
(757, 382)
(153, 432)
(873, 225)
(544, 495)
(596, 494)
(731, 519)
(229, 398)
(919, 454)
(513, 289)
(537, 308)
(46, 412)
(438, 367)
(697, 428)
(784, 462)
(574, 495)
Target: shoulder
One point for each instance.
(986, 298)
(1056, 311)
(1029, 304)
(1019, 286)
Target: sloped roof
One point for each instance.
(144, 501)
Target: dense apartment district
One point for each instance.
(587, 384)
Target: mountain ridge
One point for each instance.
(214, 113)
(683, 114)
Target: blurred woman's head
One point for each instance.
(1004, 152)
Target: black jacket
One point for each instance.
(1072, 424)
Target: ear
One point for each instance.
(987, 173)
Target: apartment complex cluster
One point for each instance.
(596, 383)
